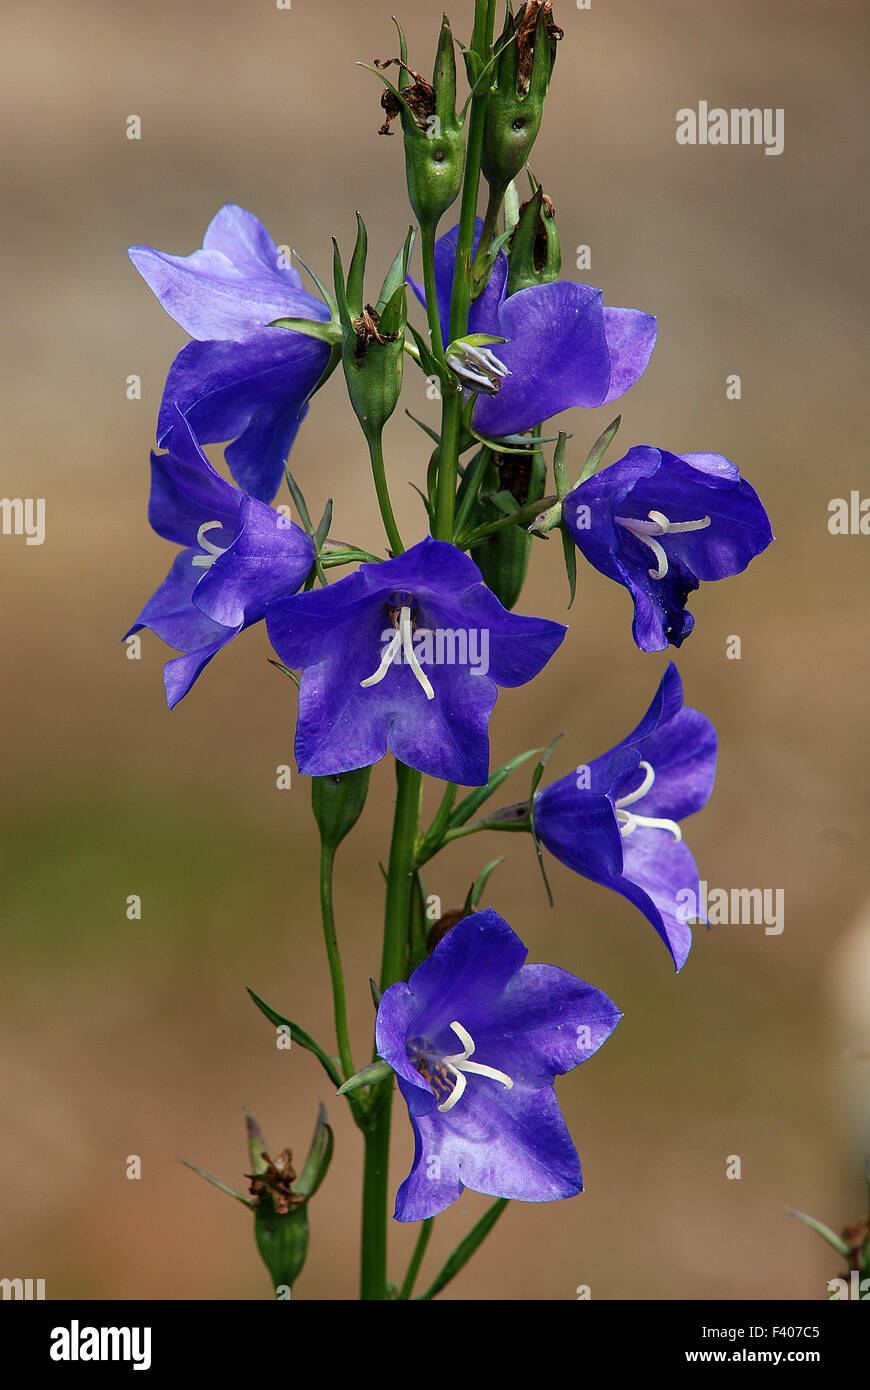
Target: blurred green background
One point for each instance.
(137, 1037)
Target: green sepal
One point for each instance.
(323, 526)
(397, 273)
(598, 450)
(428, 363)
(310, 328)
(569, 552)
(427, 429)
(337, 801)
(319, 1157)
(476, 890)
(258, 1149)
(466, 808)
(279, 666)
(366, 1076)
(221, 1186)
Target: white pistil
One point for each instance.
(629, 820)
(212, 551)
(658, 525)
(459, 1065)
(402, 639)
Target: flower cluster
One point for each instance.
(405, 654)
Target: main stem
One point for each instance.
(377, 1141)
(460, 299)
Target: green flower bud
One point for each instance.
(527, 52)
(433, 135)
(535, 256)
(280, 1201)
(373, 335)
(337, 802)
(503, 558)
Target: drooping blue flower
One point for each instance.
(238, 555)
(616, 820)
(239, 380)
(563, 347)
(405, 656)
(476, 1038)
(659, 523)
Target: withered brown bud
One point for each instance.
(515, 473)
(439, 929)
(419, 95)
(539, 252)
(275, 1183)
(367, 329)
(526, 26)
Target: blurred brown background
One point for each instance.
(125, 1037)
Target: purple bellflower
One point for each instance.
(660, 523)
(238, 554)
(405, 656)
(476, 1038)
(615, 820)
(563, 346)
(239, 380)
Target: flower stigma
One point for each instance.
(630, 820)
(450, 1071)
(658, 525)
(211, 550)
(402, 640)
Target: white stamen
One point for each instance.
(658, 525)
(411, 655)
(212, 551)
(402, 638)
(459, 1064)
(630, 820)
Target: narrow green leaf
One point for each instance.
(433, 434)
(298, 1035)
(825, 1232)
(464, 1251)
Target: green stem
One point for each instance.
(490, 221)
(427, 247)
(417, 1258)
(377, 1144)
(451, 407)
(517, 518)
(339, 999)
(376, 453)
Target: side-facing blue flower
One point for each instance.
(563, 346)
(240, 380)
(238, 555)
(405, 655)
(659, 523)
(615, 820)
(476, 1038)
